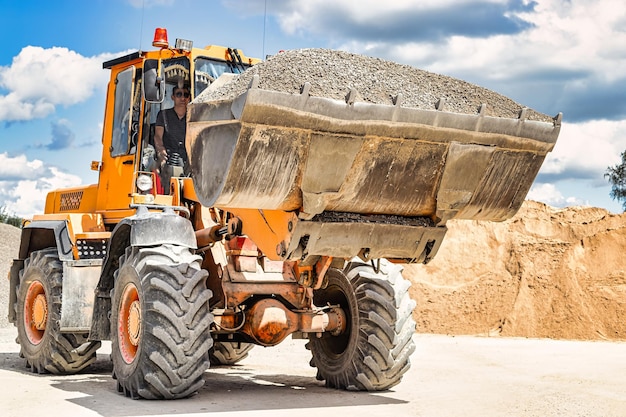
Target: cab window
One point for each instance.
(122, 112)
(208, 70)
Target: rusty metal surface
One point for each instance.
(269, 322)
(240, 286)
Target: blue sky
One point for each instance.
(551, 55)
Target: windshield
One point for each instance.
(207, 71)
(176, 71)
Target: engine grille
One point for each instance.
(71, 201)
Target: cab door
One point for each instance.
(121, 136)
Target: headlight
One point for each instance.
(144, 183)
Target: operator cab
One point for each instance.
(142, 84)
(176, 72)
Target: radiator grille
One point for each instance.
(71, 201)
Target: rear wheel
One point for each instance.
(229, 353)
(160, 323)
(42, 344)
(373, 352)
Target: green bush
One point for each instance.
(11, 219)
(617, 178)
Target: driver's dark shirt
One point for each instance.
(174, 132)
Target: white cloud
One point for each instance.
(40, 79)
(573, 173)
(585, 150)
(550, 195)
(13, 107)
(24, 184)
(576, 29)
(313, 15)
(549, 55)
(555, 42)
(560, 32)
(19, 167)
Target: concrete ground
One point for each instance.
(450, 376)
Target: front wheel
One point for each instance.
(373, 352)
(160, 323)
(39, 300)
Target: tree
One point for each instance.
(11, 219)
(617, 178)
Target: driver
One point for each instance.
(169, 137)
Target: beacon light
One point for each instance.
(160, 38)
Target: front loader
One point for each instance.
(295, 221)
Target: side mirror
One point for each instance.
(153, 86)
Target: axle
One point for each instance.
(269, 322)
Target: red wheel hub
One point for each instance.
(129, 323)
(35, 312)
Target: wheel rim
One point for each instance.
(35, 312)
(335, 346)
(129, 323)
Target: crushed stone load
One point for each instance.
(333, 73)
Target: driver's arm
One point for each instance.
(158, 144)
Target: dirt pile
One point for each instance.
(547, 272)
(9, 245)
(333, 73)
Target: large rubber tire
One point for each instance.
(160, 323)
(373, 352)
(38, 308)
(229, 353)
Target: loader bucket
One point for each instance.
(342, 162)
(358, 179)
